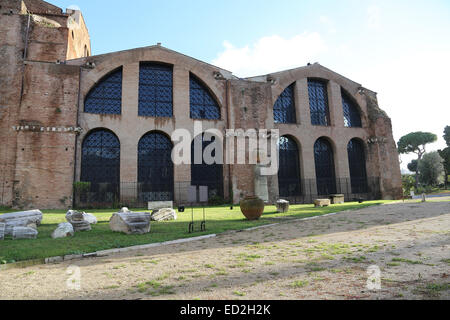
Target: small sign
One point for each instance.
(192, 194)
(203, 194)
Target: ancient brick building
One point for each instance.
(67, 116)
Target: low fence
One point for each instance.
(137, 195)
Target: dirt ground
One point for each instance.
(406, 246)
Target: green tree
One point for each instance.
(445, 154)
(447, 135)
(412, 166)
(415, 142)
(431, 169)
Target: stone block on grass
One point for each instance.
(24, 233)
(130, 222)
(322, 203)
(64, 230)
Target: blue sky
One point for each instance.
(400, 49)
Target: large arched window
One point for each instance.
(155, 168)
(100, 165)
(106, 96)
(284, 108)
(352, 118)
(203, 105)
(155, 90)
(357, 163)
(325, 173)
(289, 168)
(203, 174)
(318, 102)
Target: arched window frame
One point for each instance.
(155, 167)
(318, 102)
(155, 90)
(352, 116)
(325, 167)
(284, 108)
(203, 104)
(103, 172)
(204, 174)
(105, 97)
(357, 166)
(289, 173)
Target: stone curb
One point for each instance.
(59, 259)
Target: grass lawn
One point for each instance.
(218, 219)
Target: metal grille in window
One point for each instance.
(106, 96)
(318, 101)
(357, 163)
(204, 174)
(352, 117)
(155, 90)
(284, 108)
(100, 158)
(289, 170)
(325, 174)
(155, 168)
(203, 105)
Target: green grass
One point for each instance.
(219, 219)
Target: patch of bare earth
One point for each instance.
(323, 258)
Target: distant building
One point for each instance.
(67, 116)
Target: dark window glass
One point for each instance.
(106, 96)
(284, 108)
(351, 113)
(155, 168)
(318, 102)
(289, 168)
(203, 105)
(204, 174)
(357, 163)
(325, 174)
(155, 90)
(100, 159)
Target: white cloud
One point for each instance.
(411, 89)
(271, 54)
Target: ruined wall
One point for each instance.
(79, 42)
(46, 139)
(12, 44)
(382, 150)
(38, 106)
(250, 103)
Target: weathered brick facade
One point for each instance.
(46, 71)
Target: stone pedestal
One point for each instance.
(261, 185)
(282, 206)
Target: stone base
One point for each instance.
(322, 202)
(337, 198)
(157, 205)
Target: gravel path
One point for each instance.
(406, 245)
